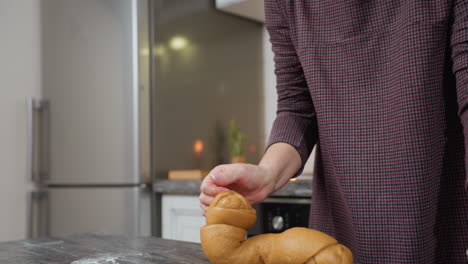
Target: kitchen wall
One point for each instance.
(19, 78)
(212, 75)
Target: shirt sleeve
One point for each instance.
(459, 48)
(295, 122)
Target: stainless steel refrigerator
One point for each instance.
(90, 130)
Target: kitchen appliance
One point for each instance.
(89, 134)
(277, 214)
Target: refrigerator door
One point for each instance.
(121, 211)
(90, 78)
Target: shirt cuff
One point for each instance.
(299, 132)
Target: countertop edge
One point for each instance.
(299, 188)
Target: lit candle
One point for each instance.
(197, 151)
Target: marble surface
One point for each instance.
(100, 249)
(299, 188)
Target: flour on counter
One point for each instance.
(42, 244)
(116, 258)
(109, 259)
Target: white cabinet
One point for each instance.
(181, 217)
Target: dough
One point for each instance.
(223, 238)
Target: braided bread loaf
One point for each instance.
(223, 238)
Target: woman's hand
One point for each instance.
(280, 162)
(254, 182)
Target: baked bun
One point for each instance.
(223, 238)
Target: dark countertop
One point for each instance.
(100, 249)
(299, 188)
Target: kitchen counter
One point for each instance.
(100, 249)
(299, 188)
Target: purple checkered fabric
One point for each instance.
(382, 87)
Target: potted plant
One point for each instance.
(236, 139)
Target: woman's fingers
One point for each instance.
(247, 179)
(205, 199)
(204, 208)
(208, 191)
(209, 188)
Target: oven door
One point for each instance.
(275, 215)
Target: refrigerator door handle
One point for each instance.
(38, 134)
(38, 214)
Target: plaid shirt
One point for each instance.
(382, 87)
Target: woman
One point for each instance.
(382, 86)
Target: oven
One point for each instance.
(275, 215)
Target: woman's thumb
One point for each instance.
(224, 175)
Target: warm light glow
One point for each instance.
(144, 52)
(252, 148)
(178, 43)
(159, 50)
(198, 146)
(293, 179)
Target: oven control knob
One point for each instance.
(278, 223)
